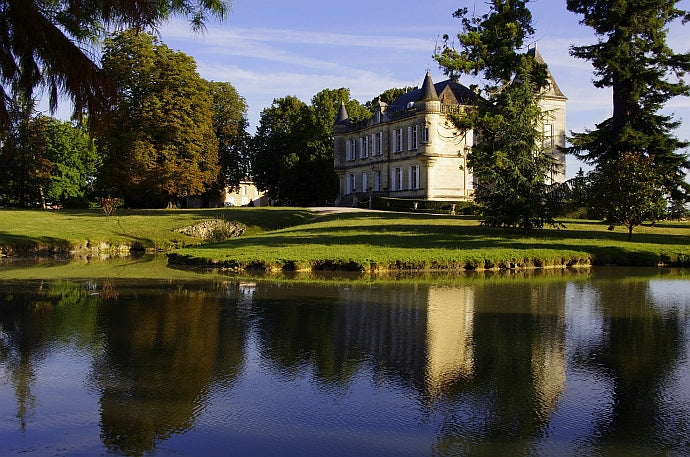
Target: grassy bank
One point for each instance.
(296, 239)
(28, 232)
(388, 241)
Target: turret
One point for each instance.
(342, 120)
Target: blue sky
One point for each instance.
(269, 49)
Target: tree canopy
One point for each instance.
(292, 154)
(631, 57)
(44, 160)
(509, 158)
(158, 142)
(46, 44)
(230, 126)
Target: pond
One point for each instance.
(558, 363)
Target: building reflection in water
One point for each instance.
(457, 341)
(480, 368)
(450, 319)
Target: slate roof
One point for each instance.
(447, 91)
(342, 117)
(553, 89)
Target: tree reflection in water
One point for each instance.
(478, 367)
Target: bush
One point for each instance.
(424, 206)
(76, 203)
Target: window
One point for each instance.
(394, 140)
(366, 146)
(412, 138)
(365, 183)
(351, 183)
(425, 135)
(380, 143)
(548, 136)
(414, 177)
(377, 181)
(373, 144)
(351, 149)
(400, 140)
(396, 179)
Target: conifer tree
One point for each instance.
(634, 60)
(509, 158)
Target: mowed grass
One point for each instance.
(27, 231)
(391, 241)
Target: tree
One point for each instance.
(290, 159)
(45, 160)
(46, 44)
(388, 96)
(75, 161)
(633, 59)
(25, 169)
(509, 158)
(629, 191)
(326, 104)
(230, 124)
(158, 142)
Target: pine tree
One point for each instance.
(633, 59)
(508, 158)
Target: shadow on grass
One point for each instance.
(443, 235)
(18, 244)
(390, 231)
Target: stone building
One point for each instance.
(409, 149)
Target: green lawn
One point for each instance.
(389, 241)
(298, 239)
(23, 231)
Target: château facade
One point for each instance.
(409, 149)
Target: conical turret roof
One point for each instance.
(342, 117)
(428, 89)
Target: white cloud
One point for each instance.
(217, 35)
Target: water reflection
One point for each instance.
(475, 368)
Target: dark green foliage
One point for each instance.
(48, 44)
(632, 57)
(44, 160)
(25, 168)
(389, 96)
(508, 157)
(629, 191)
(292, 151)
(290, 159)
(158, 142)
(327, 102)
(230, 124)
(424, 206)
(75, 162)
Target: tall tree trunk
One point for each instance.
(43, 198)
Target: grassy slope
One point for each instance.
(34, 230)
(400, 241)
(290, 238)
